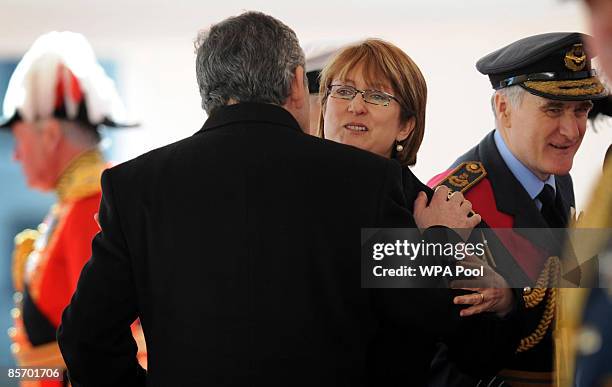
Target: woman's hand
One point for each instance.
(445, 209)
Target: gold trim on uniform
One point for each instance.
(570, 88)
(544, 290)
(575, 58)
(24, 245)
(464, 176)
(82, 177)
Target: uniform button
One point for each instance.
(526, 290)
(15, 348)
(589, 341)
(12, 332)
(15, 313)
(17, 297)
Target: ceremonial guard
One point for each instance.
(57, 98)
(517, 178)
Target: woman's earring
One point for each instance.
(399, 147)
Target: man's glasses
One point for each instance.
(375, 97)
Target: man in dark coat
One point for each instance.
(518, 178)
(239, 247)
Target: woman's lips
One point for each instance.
(355, 127)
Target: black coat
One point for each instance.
(239, 250)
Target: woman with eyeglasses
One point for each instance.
(374, 97)
(388, 118)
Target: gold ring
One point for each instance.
(481, 298)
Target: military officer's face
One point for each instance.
(32, 152)
(545, 134)
(368, 126)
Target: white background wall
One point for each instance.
(152, 41)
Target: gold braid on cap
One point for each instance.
(573, 88)
(548, 277)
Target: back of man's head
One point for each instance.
(246, 58)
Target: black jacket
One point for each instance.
(239, 250)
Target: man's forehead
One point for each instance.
(553, 102)
(541, 101)
(351, 78)
(32, 126)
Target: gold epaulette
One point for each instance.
(81, 178)
(464, 176)
(24, 245)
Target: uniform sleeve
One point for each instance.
(81, 230)
(68, 257)
(95, 336)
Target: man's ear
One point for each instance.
(503, 110)
(52, 133)
(299, 89)
(406, 129)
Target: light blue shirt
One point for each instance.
(530, 182)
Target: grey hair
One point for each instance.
(514, 95)
(247, 58)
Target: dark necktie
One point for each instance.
(550, 211)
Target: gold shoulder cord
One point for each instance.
(548, 277)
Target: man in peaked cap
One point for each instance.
(56, 99)
(517, 177)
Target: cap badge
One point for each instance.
(575, 58)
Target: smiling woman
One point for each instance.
(388, 116)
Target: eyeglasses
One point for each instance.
(375, 97)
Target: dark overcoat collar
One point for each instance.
(250, 112)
